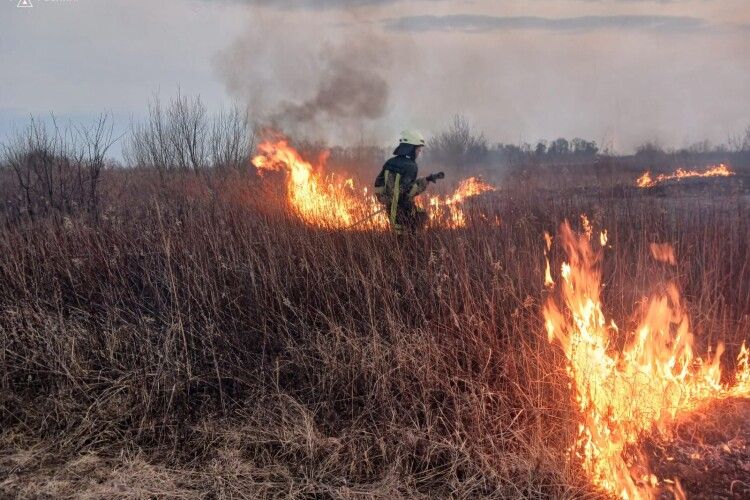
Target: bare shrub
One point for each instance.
(57, 170)
(183, 136)
(231, 139)
(740, 145)
(459, 145)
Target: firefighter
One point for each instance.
(398, 184)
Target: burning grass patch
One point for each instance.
(215, 346)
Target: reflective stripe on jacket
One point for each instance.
(397, 185)
(408, 182)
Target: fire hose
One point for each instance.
(430, 178)
(435, 177)
(367, 218)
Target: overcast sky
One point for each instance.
(620, 72)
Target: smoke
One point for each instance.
(345, 75)
(333, 90)
(350, 89)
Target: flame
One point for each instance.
(548, 281)
(468, 188)
(646, 181)
(623, 393)
(447, 211)
(587, 227)
(663, 252)
(319, 200)
(327, 200)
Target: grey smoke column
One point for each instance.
(334, 90)
(351, 88)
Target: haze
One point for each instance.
(619, 72)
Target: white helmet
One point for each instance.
(411, 137)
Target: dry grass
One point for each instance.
(194, 342)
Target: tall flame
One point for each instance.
(622, 394)
(646, 181)
(319, 200)
(327, 200)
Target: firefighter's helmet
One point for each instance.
(411, 137)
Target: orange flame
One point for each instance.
(548, 281)
(587, 227)
(447, 211)
(622, 394)
(320, 201)
(333, 202)
(646, 181)
(663, 252)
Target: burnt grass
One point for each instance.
(194, 340)
(707, 450)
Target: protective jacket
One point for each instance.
(396, 186)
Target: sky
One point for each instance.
(621, 72)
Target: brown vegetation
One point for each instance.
(190, 339)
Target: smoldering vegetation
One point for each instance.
(169, 329)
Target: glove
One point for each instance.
(435, 177)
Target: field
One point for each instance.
(192, 338)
